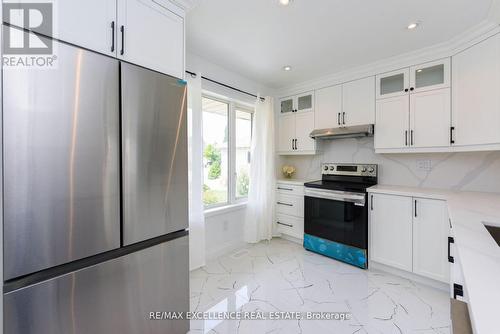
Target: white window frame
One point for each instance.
(232, 200)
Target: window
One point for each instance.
(227, 134)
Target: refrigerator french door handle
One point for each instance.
(113, 36)
(122, 30)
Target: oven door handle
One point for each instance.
(336, 196)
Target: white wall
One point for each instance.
(224, 231)
(472, 171)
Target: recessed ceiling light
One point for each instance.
(412, 26)
(419, 70)
(285, 2)
(287, 68)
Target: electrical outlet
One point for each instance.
(424, 165)
(225, 225)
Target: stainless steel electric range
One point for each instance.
(336, 212)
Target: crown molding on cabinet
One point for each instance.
(187, 4)
(494, 14)
(463, 41)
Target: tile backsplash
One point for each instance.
(470, 171)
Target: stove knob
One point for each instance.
(325, 168)
(371, 169)
(332, 168)
(363, 170)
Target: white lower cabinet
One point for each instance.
(391, 230)
(411, 234)
(290, 209)
(430, 239)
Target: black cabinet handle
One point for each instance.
(452, 141)
(280, 188)
(113, 36)
(122, 30)
(451, 259)
(415, 208)
(411, 89)
(288, 225)
(286, 204)
(406, 137)
(296, 143)
(411, 138)
(338, 118)
(406, 90)
(458, 290)
(343, 118)
(371, 203)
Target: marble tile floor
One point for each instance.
(281, 276)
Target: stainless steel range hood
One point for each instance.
(346, 132)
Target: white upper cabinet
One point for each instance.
(430, 113)
(304, 102)
(304, 125)
(151, 35)
(286, 130)
(430, 76)
(295, 123)
(414, 108)
(87, 23)
(358, 102)
(476, 94)
(391, 84)
(328, 109)
(348, 104)
(392, 123)
(287, 105)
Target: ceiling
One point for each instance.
(256, 38)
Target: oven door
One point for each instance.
(337, 216)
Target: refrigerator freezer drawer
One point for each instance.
(61, 161)
(112, 297)
(155, 168)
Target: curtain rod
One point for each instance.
(224, 85)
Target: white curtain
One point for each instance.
(195, 154)
(260, 207)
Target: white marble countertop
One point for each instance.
(298, 182)
(410, 191)
(478, 252)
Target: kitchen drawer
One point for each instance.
(290, 205)
(292, 226)
(290, 189)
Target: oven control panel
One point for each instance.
(349, 169)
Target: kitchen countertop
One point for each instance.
(478, 252)
(297, 182)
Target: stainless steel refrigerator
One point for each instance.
(95, 197)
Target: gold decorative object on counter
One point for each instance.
(288, 171)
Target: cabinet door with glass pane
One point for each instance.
(392, 84)
(287, 105)
(304, 102)
(429, 76)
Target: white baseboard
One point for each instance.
(224, 249)
(411, 276)
(292, 239)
